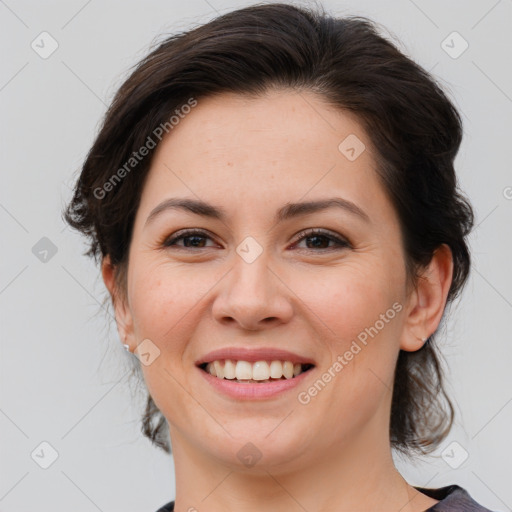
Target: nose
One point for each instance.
(253, 296)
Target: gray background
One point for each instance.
(63, 369)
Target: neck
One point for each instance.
(357, 476)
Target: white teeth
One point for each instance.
(288, 369)
(243, 370)
(229, 369)
(258, 371)
(219, 370)
(276, 369)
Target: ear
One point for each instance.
(121, 309)
(427, 301)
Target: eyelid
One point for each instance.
(340, 240)
(184, 233)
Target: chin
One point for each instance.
(261, 446)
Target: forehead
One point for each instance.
(281, 146)
(284, 120)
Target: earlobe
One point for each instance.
(121, 310)
(428, 300)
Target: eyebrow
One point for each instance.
(290, 210)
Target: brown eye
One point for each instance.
(191, 238)
(321, 239)
(315, 239)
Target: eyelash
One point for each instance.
(341, 242)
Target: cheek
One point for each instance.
(163, 299)
(356, 381)
(357, 317)
(165, 302)
(347, 300)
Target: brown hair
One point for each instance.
(414, 127)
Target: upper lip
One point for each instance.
(253, 355)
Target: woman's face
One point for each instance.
(251, 281)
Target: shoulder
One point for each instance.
(452, 498)
(169, 507)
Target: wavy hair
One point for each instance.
(414, 127)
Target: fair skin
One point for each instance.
(250, 157)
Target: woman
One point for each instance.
(273, 200)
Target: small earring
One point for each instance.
(125, 345)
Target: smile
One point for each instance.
(236, 380)
(254, 372)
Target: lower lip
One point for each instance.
(253, 391)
